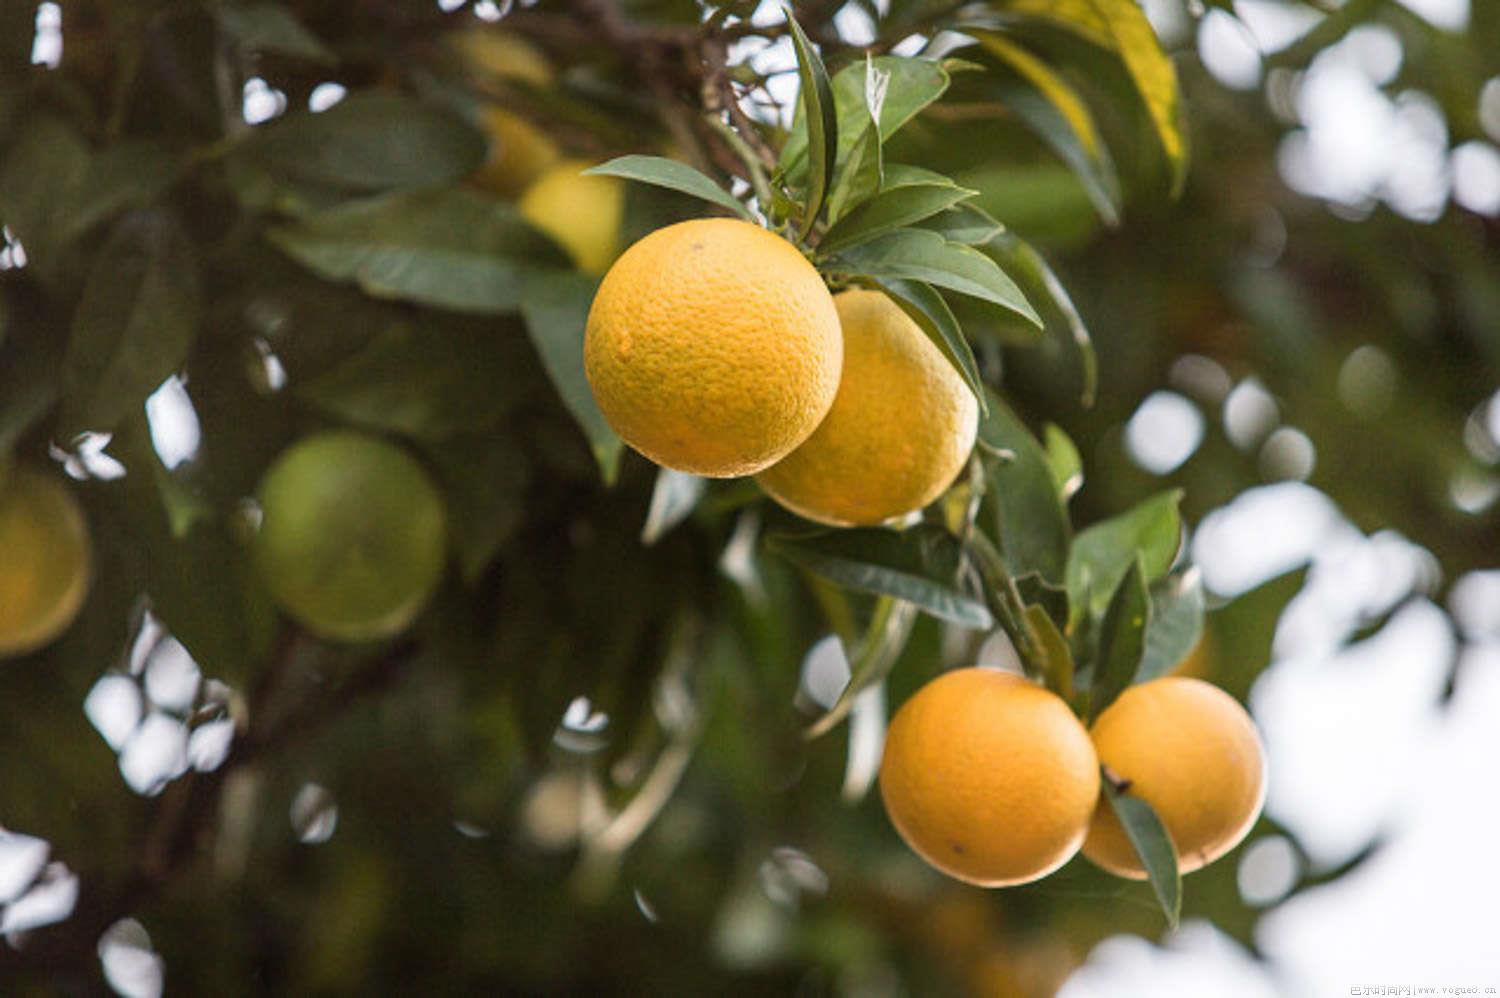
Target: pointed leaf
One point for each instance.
(673, 499)
(1121, 27)
(556, 310)
(821, 121)
(872, 660)
(270, 27)
(1022, 261)
(1021, 510)
(893, 208)
(1122, 639)
(1152, 844)
(448, 248)
(1057, 659)
(675, 176)
(1177, 610)
(965, 223)
(931, 313)
(134, 325)
(1063, 460)
(920, 255)
(1102, 554)
(919, 565)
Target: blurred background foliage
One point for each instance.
(583, 771)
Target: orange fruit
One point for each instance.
(583, 213)
(1190, 751)
(351, 539)
(713, 347)
(520, 152)
(45, 559)
(989, 777)
(901, 427)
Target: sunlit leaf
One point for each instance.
(1152, 844)
(893, 208)
(919, 565)
(820, 120)
(556, 309)
(1063, 460)
(1121, 27)
(672, 175)
(1056, 658)
(1177, 611)
(1102, 554)
(450, 248)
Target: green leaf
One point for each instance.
(920, 255)
(556, 309)
(28, 384)
(914, 84)
(428, 383)
(1047, 103)
(965, 223)
(871, 661)
(1152, 844)
(1177, 611)
(661, 172)
(367, 143)
(673, 499)
(1022, 261)
(484, 478)
(1057, 660)
(1122, 639)
(270, 27)
(920, 565)
(449, 248)
(861, 171)
(821, 123)
(123, 176)
(134, 324)
(1121, 27)
(929, 311)
(39, 175)
(1063, 460)
(893, 208)
(1102, 554)
(1021, 510)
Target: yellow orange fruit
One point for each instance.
(45, 559)
(351, 539)
(582, 212)
(989, 777)
(713, 347)
(901, 427)
(504, 55)
(520, 152)
(1189, 750)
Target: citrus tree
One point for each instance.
(565, 457)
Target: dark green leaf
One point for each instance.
(1103, 553)
(820, 120)
(1122, 639)
(675, 176)
(872, 659)
(365, 144)
(920, 255)
(920, 565)
(673, 499)
(1021, 510)
(928, 310)
(965, 223)
(1176, 623)
(1056, 660)
(1152, 844)
(450, 248)
(427, 382)
(556, 309)
(270, 27)
(893, 208)
(1024, 263)
(860, 176)
(484, 479)
(128, 175)
(39, 176)
(134, 325)
(28, 384)
(1063, 460)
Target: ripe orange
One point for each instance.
(901, 427)
(713, 347)
(583, 213)
(1190, 750)
(989, 777)
(45, 560)
(351, 540)
(520, 152)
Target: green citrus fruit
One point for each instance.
(351, 539)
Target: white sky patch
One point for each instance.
(1476, 177)
(1275, 24)
(1229, 51)
(1263, 533)
(1197, 960)
(325, 96)
(47, 46)
(1163, 432)
(1450, 15)
(175, 431)
(1422, 909)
